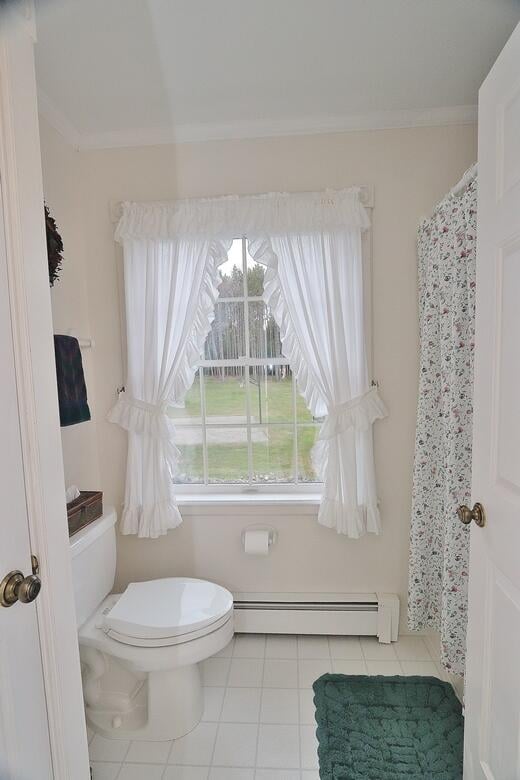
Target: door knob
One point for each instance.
(466, 515)
(15, 587)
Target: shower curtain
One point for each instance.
(439, 545)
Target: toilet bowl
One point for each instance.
(140, 649)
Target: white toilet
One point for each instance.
(140, 650)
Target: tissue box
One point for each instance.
(84, 510)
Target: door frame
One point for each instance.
(31, 317)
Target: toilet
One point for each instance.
(140, 650)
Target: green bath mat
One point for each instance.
(388, 728)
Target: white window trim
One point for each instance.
(296, 495)
(187, 492)
(259, 505)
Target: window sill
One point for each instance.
(224, 503)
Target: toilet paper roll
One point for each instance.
(256, 542)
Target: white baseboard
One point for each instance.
(343, 614)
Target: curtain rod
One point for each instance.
(465, 181)
(455, 191)
(367, 199)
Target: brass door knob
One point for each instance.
(15, 587)
(477, 514)
(29, 588)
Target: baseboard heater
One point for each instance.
(359, 614)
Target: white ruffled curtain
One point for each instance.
(311, 245)
(314, 287)
(170, 290)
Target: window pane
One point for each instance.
(264, 334)
(227, 455)
(191, 466)
(232, 285)
(225, 392)
(271, 394)
(226, 339)
(307, 436)
(190, 415)
(273, 453)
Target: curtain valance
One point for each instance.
(233, 216)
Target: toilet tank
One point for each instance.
(93, 551)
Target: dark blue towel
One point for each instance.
(72, 391)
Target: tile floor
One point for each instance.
(258, 722)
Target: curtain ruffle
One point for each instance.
(150, 419)
(354, 521)
(151, 522)
(358, 413)
(137, 416)
(234, 215)
(204, 317)
(347, 480)
(262, 251)
(153, 460)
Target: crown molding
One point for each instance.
(196, 133)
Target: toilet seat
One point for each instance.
(152, 657)
(166, 612)
(166, 701)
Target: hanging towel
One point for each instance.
(72, 391)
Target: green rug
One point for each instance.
(388, 728)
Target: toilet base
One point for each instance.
(168, 705)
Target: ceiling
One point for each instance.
(119, 72)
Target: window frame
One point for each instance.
(192, 492)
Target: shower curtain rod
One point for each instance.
(455, 191)
(466, 180)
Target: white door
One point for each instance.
(42, 720)
(492, 731)
(24, 735)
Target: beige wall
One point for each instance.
(63, 194)
(410, 169)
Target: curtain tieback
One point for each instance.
(160, 408)
(138, 416)
(359, 413)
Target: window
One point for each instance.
(244, 423)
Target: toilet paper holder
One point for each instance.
(272, 534)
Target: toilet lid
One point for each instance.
(168, 608)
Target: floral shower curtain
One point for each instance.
(439, 546)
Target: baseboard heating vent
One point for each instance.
(363, 614)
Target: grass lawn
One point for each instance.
(273, 444)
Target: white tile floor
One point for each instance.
(258, 722)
